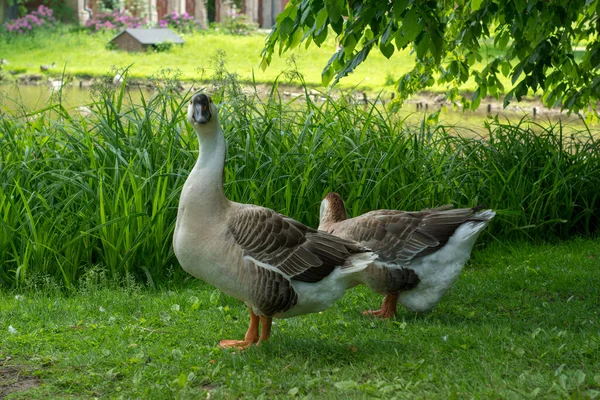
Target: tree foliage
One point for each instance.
(546, 45)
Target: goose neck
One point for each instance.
(208, 171)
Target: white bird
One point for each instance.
(56, 84)
(118, 79)
(279, 267)
(420, 254)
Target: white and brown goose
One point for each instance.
(279, 267)
(420, 254)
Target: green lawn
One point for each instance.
(81, 53)
(521, 322)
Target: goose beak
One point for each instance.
(199, 109)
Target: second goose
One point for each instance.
(420, 254)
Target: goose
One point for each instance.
(420, 254)
(46, 67)
(279, 267)
(117, 79)
(56, 84)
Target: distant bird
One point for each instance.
(420, 254)
(118, 79)
(279, 267)
(56, 84)
(85, 111)
(46, 67)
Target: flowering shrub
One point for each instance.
(39, 19)
(183, 23)
(114, 20)
(238, 24)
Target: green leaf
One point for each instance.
(398, 8)
(320, 38)
(410, 25)
(295, 39)
(386, 49)
(506, 67)
(327, 75)
(400, 40)
(437, 44)
(349, 44)
(503, 39)
(475, 5)
(182, 380)
(345, 385)
(423, 46)
(579, 377)
(264, 63)
(475, 100)
(334, 9)
(285, 28)
(354, 61)
(321, 20)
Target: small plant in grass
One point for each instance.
(183, 23)
(238, 24)
(114, 20)
(35, 21)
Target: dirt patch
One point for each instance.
(16, 379)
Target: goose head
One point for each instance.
(332, 210)
(202, 112)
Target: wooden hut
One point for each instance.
(142, 39)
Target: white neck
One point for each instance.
(205, 182)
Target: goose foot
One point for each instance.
(251, 337)
(238, 344)
(388, 307)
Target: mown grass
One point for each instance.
(102, 191)
(521, 322)
(73, 50)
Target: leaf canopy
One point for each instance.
(546, 45)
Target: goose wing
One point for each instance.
(399, 236)
(288, 247)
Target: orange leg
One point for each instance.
(251, 335)
(265, 324)
(388, 307)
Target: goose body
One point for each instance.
(279, 267)
(420, 254)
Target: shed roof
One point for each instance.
(152, 36)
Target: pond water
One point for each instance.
(27, 98)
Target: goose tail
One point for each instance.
(476, 225)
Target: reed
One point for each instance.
(101, 192)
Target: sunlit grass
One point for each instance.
(73, 50)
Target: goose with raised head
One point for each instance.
(420, 254)
(279, 267)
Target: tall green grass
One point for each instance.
(100, 192)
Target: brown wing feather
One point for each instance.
(399, 236)
(297, 251)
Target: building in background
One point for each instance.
(263, 12)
